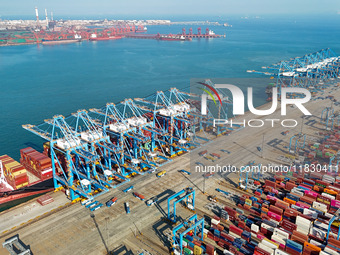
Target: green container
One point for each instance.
(187, 251)
(319, 153)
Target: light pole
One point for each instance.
(107, 231)
(203, 184)
(262, 146)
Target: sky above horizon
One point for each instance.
(170, 7)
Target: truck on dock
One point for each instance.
(128, 189)
(215, 155)
(160, 174)
(152, 201)
(111, 202)
(226, 151)
(184, 171)
(127, 207)
(203, 153)
(209, 158)
(91, 205)
(96, 207)
(137, 195)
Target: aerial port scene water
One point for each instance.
(170, 127)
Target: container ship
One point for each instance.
(31, 177)
(172, 38)
(77, 38)
(95, 37)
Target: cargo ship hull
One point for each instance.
(31, 177)
(171, 39)
(14, 197)
(106, 38)
(52, 42)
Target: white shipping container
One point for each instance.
(300, 221)
(330, 251)
(328, 215)
(280, 233)
(278, 240)
(279, 252)
(318, 233)
(328, 195)
(215, 222)
(310, 213)
(319, 206)
(234, 235)
(255, 228)
(302, 230)
(265, 226)
(269, 244)
(266, 248)
(315, 243)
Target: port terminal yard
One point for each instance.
(55, 229)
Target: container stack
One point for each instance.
(37, 163)
(193, 245)
(15, 173)
(290, 214)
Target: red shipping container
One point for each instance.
(221, 244)
(301, 235)
(247, 207)
(21, 180)
(230, 238)
(210, 250)
(307, 200)
(235, 230)
(24, 152)
(241, 224)
(197, 243)
(232, 249)
(291, 251)
(281, 204)
(270, 184)
(315, 238)
(260, 251)
(334, 242)
(220, 227)
(288, 225)
(275, 209)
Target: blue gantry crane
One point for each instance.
(170, 118)
(300, 142)
(73, 163)
(191, 224)
(336, 216)
(125, 131)
(188, 194)
(108, 168)
(330, 118)
(252, 168)
(314, 71)
(97, 150)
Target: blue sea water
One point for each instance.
(39, 82)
